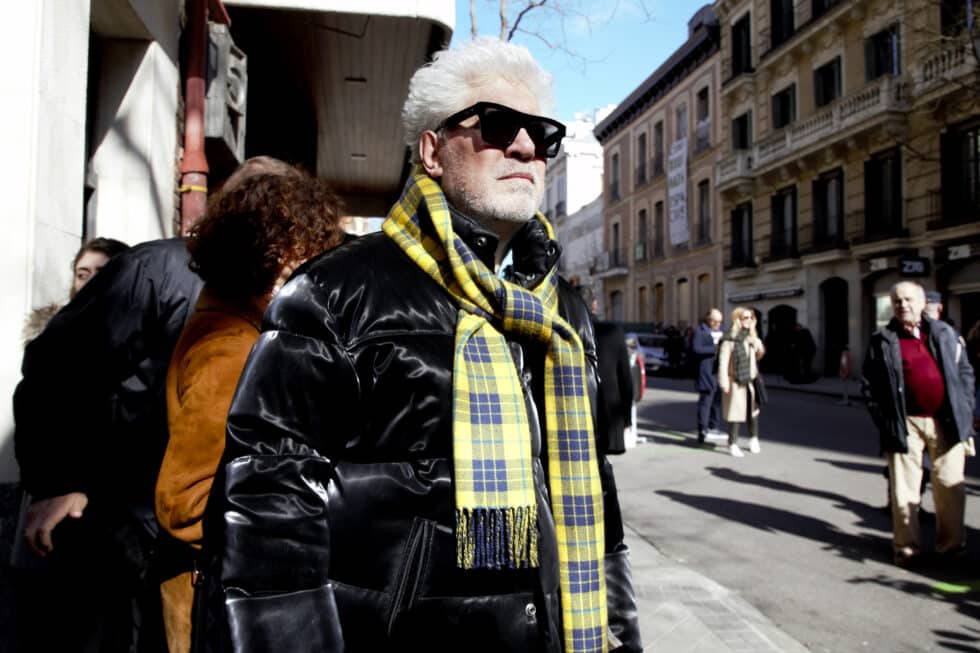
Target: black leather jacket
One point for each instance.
(338, 502)
(883, 384)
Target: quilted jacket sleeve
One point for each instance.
(294, 405)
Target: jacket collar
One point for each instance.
(248, 311)
(532, 251)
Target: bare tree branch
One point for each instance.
(503, 20)
(473, 29)
(531, 6)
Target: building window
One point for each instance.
(782, 26)
(784, 107)
(641, 159)
(705, 301)
(614, 177)
(615, 252)
(658, 303)
(960, 147)
(683, 303)
(828, 208)
(658, 149)
(641, 235)
(616, 305)
(641, 304)
(681, 130)
(783, 244)
(881, 54)
(658, 229)
(704, 213)
(742, 255)
(827, 83)
(957, 16)
(820, 7)
(883, 194)
(742, 132)
(702, 132)
(741, 46)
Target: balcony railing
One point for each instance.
(640, 251)
(641, 173)
(610, 263)
(735, 166)
(952, 60)
(614, 191)
(658, 165)
(884, 95)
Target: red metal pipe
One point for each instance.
(194, 166)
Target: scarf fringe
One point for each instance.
(495, 538)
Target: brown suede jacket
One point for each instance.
(201, 380)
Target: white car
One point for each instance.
(652, 346)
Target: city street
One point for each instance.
(798, 531)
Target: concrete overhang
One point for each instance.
(327, 80)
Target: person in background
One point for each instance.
(704, 349)
(90, 430)
(257, 229)
(615, 397)
(90, 258)
(738, 356)
(919, 387)
(410, 457)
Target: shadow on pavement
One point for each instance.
(858, 548)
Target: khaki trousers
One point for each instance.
(948, 488)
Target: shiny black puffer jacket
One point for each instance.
(338, 502)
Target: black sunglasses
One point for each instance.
(499, 126)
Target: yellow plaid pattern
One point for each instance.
(495, 500)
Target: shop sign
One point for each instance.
(913, 266)
(878, 264)
(956, 252)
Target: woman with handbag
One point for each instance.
(743, 391)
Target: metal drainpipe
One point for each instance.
(194, 166)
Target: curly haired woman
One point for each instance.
(737, 370)
(267, 219)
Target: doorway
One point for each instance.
(833, 308)
(782, 320)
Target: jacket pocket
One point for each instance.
(415, 559)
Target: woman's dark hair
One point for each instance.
(108, 246)
(259, 223)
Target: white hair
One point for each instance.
(450, 81)
(919, 289)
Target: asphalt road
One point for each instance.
(798, 530)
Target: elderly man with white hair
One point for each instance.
(920, 390)
(411, 457)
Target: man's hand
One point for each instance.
(45, 514)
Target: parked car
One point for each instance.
(652, 346)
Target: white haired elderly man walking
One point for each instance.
(920, 390)
(411, 459)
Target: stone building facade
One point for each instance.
(662, 261)
(851, 161)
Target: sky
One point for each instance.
(617, 45)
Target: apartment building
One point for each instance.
(662, 263)
(852, 161)
(573, 200)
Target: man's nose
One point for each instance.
(523, 147)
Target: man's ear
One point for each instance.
(429, 152)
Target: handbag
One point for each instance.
(759, 385)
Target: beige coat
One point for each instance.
(735, 395)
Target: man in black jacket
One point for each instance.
(704, 347)
(91, 428)
(920, 390)
(410, 460)
(615, 400)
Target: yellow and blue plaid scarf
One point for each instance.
(496, 508)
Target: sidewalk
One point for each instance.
(682, 611)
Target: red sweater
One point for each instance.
(924, 387)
